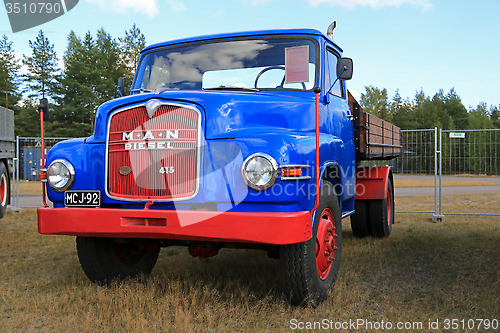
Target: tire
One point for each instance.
(4, 189)
(306, 273)
(360, 224)
(382, 214)
(104, 260)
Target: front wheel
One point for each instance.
(104, 259)
(309, 269)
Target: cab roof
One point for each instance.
(256, 33)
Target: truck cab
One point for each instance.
(234, 140)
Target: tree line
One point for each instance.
(91, 66)
(445, 111)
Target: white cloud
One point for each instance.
(372, 3)
(176, 6)
(148, 7)
(256, 2)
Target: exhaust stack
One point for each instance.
(330, 29)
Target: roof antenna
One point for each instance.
(329, 32)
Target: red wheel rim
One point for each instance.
(128, 254)
(3, 190)
(325, 244)
(389, 207)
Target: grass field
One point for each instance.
(422, 272)
(445, 183)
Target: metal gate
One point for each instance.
(27, 163)
(448, 152)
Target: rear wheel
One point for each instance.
(309, 269)
(382, 214)
(104, 259)
(359, 220)
(4, 189)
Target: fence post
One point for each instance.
(440, 170)
(437, 216)
(15, 183)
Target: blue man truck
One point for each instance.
(241, 140)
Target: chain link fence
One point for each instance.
(425, 152)
(29, 153)
(470, 152)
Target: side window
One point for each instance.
(331, 74)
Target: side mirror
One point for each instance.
(121, 86)
(344, 68)
(43, 107)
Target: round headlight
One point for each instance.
(60, 175)
(260, 171)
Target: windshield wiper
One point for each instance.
(157, 91)
(222, 87)
(141, 90)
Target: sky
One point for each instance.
(395, 44)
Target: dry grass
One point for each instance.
(29, 187)
(445, 183)
(466, 203)
(423, 271)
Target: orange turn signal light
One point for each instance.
(291, 172)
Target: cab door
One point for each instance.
(340, 124)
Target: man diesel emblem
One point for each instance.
(152, 106)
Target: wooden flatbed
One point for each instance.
(375, 138)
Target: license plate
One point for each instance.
(82, 198)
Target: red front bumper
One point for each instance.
(264, 228)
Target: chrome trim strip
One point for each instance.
(304, 166)
(346, 214)
(296, 178)
(383, 145)
(198, 153)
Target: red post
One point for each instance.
(43, 156)
(317, 90)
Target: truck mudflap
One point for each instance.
(262, 228)
(371, 182)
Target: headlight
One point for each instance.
(260, 171)
(60, 175)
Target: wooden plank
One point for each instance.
(371, 129)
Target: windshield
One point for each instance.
(263, 64)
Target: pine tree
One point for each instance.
(456, 110)
(79, 101)
(402, 112)
(130, 47)
(27, 119)
(92, 68)
(495, 115)
(424, 111)
(42, 68)
(479, 118)
(442, 116)
(110, 66)
(9, 76)
(375, 101)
